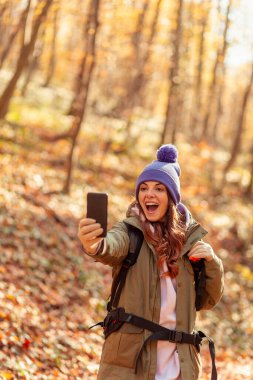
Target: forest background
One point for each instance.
(89, 90)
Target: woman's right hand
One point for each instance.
(88, 233)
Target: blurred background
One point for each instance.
(88, 91)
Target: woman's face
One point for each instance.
(154, 200)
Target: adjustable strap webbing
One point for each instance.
(117, 317)
(214, 375)
(159, 332)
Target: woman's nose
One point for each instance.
(150, 193)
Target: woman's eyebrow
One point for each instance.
(156, 183)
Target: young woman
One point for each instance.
(160, 286)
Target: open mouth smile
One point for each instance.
(151, 207)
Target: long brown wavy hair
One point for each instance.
(167, 236)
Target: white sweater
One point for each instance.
(168, 367)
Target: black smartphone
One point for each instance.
(97, 209)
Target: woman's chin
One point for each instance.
(152, 217)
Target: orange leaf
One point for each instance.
(6, 375)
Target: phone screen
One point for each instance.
(97, 209)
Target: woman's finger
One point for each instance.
(91, 235)
(89, 228)
(198, 250)
(86, 222)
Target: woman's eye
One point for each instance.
(160, 189)
(142, 188)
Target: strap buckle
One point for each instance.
(178, 336)
(127, 263)
(129, 318)
(122, 316)
(197, 339)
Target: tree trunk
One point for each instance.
(3, 8)
(217, 72)
(237, 141)
(169, 125)
(137, 35)
(51, 67)
(249, 189)
(125, 103)
(138, 81)
(138, 63)
(80, 73)
(221, 88)
(147, 53)
(32, 66)
(198, 89)
(81, 100)
(22, 61)
(219, 107)
(20, 25)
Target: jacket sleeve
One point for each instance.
(115, 247)
(214, 283)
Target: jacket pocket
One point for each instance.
(122, 348)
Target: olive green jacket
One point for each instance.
(141, 296)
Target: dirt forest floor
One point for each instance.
(51, 293)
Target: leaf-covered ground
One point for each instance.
(51, 293)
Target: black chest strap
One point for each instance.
(117, 317)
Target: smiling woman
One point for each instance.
(157, 299)
(153, 198)
(158, 203)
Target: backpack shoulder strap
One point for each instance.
(135, 243)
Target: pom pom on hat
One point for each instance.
(167, 153)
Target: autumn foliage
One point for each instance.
(88, 91)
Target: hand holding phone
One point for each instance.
(93, 228)
(89, 233)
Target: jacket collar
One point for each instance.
(195, 232)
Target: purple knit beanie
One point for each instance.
(165, 170)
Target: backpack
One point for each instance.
(117, 316)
